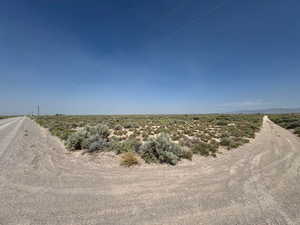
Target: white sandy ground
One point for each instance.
(40, 183)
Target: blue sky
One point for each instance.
(140, 56)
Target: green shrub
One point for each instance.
(74, 142)
(88, 141)
(221, 123)
(188, 142)
(233, 142)
(297, 131)
(98, 145)
(131, 125)
(293, 125)
(161, 150)
(102, 130)
(84, 138)
(118, 127)
(187, 154)
(129, 159)
(233, 145)
(205, 149)
(130, 145)
(225, 141)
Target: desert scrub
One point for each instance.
(89, 138)
(188, 142)
(288, 121)
(225, 141)
(187, 130)
(118, 127)
(6, 117)
(130, 124)
(161, 150)
(205, 149)
(233, 142)
(75, 140)
(187, 154)
(101, 130)
(130, 145)
(98, 145)
(297, 131)
(129, 159)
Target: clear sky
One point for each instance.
(141, 56)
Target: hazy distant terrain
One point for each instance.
(271, 111)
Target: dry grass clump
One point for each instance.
(129, 159)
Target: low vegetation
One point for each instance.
(205, 149)
(288, 121)
(5, 117)
(155, 138)
(129, 159)
(161, 149)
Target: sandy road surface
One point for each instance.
(259, 183)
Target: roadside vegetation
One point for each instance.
(5, 117)
(288, 121)
(153, 138)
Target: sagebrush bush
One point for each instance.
(161, 150)
(75, 140)
(88, 141)
(98, 145)
(130, 145)
(102, 130)
(129, 159)
(89, 138)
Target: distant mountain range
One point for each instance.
(271, 111)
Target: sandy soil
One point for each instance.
(40, 183)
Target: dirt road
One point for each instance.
(259, 183)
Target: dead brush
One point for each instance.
(129, 159)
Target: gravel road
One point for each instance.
(40, 183)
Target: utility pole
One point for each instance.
(38, 110)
